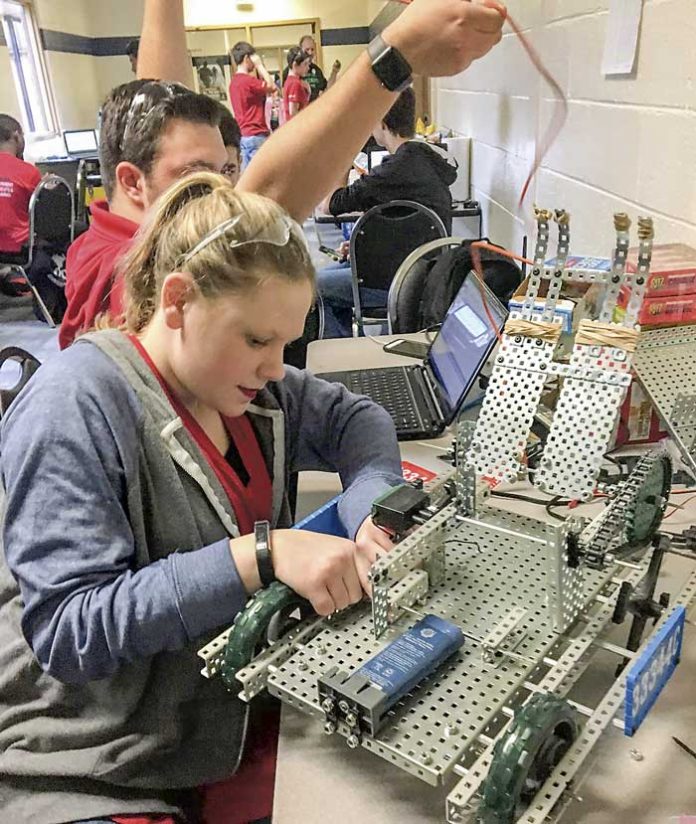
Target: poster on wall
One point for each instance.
(212, 76)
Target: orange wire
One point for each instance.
(561, 110)
(478, 269)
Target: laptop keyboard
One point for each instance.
(387, 387)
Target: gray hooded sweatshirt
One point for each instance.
(116, 568)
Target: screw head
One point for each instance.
(351, 719)
(328, 704)
(353, 741)
(329, 728)
(343, 706)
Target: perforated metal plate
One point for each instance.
(665, 363)
(497, 566)
(583, 422)
(509, 406)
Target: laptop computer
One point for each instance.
(425, 399)
(81, 143)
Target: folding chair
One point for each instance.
(51, 223)
(382, 238)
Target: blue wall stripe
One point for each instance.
(357, 35)
(59, 41)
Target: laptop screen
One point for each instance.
(463, 344)
(81, 142)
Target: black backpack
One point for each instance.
(446, 275)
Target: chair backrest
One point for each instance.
(52, 213)
(385, 235)
(28, 365)
(406, 290)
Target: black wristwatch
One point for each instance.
(264, 561)
(391, 67)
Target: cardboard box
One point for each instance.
(673, 310)
(639, 423)
(672, 269)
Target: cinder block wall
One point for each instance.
(629, 143)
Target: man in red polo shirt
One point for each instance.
(152, 134)
(249, 87)
(17, 183)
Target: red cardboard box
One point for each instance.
(638, 423)
(670, 310)
(672, 269)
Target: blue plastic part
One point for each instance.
(404, 662)
(652, 670)
(324, 520)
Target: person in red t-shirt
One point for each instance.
(296, 91)
(249, 87)
(152, 134)
(17, 183)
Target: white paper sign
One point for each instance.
(622, 36)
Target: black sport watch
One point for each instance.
(391, 67)
(264, 561)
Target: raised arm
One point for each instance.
(163, 54)
(303, 161)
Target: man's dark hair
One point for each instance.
(296, 55)
(9, 127)
(401, 118)
(240, 51)
(132, 48)
(135, 115)
(229, 128)
(306, 37)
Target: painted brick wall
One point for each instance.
(629, 143)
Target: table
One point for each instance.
(320, 779)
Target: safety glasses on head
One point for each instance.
(277, 233)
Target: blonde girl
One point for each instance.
(136, 465)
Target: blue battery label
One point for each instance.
(409, 658)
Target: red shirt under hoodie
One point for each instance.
(90, 288)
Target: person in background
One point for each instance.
(296, 92)
(231, 137)
(152, 134)
(132, 54)
(18, 180)
(415, 170)
(315, 76)
(153, 454)
(249, 87)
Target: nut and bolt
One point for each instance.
(353, 741)
(636, 755)
(329, 728)
(351, 719)
(343, 706)
(328, 704)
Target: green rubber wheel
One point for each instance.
(250, 629)
(538, 737)
(650, 503)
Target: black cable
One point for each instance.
(549, 510)
(539, 502)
